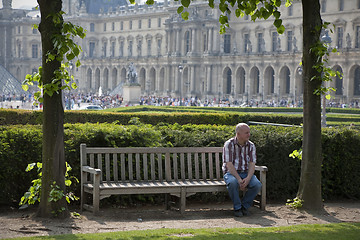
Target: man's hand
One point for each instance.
(242, 184)
(245, 182)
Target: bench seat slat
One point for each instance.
(145, 184)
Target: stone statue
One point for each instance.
(262, 45)
(348, 41)
(132, 74)
(294, 43)
(278, 45)
(7, 3)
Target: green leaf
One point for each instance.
(185, 15)
(74, 86)
(288, 3)
(223, 19)
(185, 3)
(277, 23)
(223, 7)
(150, 2)
(276, 14)
(211, 3)
(30, 166)
(237, 12)
(25, 87)
(328, 96)
(266, 14)
(281, 29)
(180, 9)
(70, 56)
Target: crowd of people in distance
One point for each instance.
(76, 100)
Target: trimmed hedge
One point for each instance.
(12, 117)
(21, 145)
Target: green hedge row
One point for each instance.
(150, 108)
(21, 145)
(12, 117)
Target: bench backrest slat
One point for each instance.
(203, 165)
(99, 165)
(115, 166)
(137, 166)
(123, 167)
(160, 167)
(167, 167)
(152, 167)
(146, 177)
(197, 175)
(175, 165)
(217, 165)
(211, 167)
(155, 164)
(190, 166)
(182, 167)
(107, 167)
(130, 162)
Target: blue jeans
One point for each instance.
(232, 185)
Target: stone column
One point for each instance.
(208, 79)
(178, 42)
(192, 79)
(193, 40)
(210, 39)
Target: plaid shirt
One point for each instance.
(240, 156)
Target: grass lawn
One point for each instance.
(338, 231)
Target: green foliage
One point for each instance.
(21, 145)
(254, 8)
(32, 196)
(322, 51)
(296, 154)
(295, 203)
(65, 51)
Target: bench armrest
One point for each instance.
(91, 170)
(261, 168)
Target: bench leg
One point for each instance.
(182, 200)
(96, 193)
(167, 203)
(263, 190)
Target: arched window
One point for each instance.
(357, 81)
(228, 81)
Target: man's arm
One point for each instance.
(233, 172)
(251, 171)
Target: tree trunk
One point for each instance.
(53, 159)
(310, 179)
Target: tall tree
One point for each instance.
(53, 153)
(310, 180)
(58, 49)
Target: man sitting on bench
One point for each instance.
(239, 159)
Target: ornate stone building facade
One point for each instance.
(174, 57)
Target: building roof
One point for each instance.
(8, 83)
(94, 6)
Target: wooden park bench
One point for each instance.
(178, 171)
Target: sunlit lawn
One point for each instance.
(338, 231)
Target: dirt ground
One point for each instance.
(16, 223)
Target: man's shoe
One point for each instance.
(238, 213)
(245, 212)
